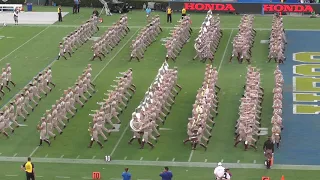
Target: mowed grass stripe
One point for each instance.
(64, 75)
(231, 80)
(26, 62)
(79, 125)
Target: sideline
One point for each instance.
(164, 27)
(158, 163)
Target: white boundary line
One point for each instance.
(158, 163)
(25, 43)
(35, 150)
(164, 27)
(219, 68)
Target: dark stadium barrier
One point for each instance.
(241, 8)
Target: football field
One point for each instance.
(31, 48)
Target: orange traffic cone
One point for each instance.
(282, 177)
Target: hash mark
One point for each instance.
(45, 157)
(206, 160)
(78, 157)
(222, 160)
(141, 158)
(125, 158)
(93, 157)
(157, 159)
(63, 177)
(61, 156)
(238, 161)
(15, 155)
(254, 161)
(173, 159)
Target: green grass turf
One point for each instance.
(51, 171)
(36, 54)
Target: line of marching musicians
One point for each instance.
(145, 38)
(78, 37)
(179, 37)
(204, 110)
(277, 40)
(111, 38)
(111, 108)
(248, 124)
(5, 79)
(207, 42)
(25, 101)
(155, 107)
(56, 117)
(244, 40)
(276, 120)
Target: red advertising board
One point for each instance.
(209, 6)
(250, 8)
(298, 8)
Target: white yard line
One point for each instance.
(32, 153)
(125, 130)
(158, 163)
(25, 43)
(129, 40)
(219, 68)
(225, 51)
(190, 156)
(62, 177)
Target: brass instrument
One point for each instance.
(90, 130)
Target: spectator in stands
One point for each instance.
(169, 14)
(95, 12)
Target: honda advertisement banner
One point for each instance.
(253, 8)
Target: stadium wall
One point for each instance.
(227, 7)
